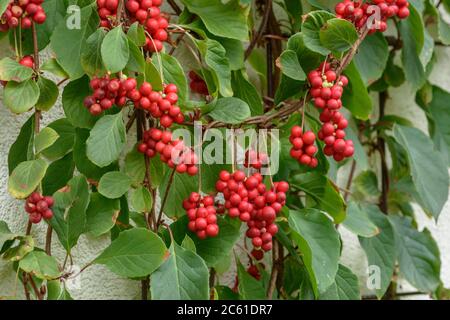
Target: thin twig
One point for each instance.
(166, 195)
(274, 273)
(175, 7)
(350, 179)
(261, 30)
(48, 240)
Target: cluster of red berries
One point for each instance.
(108, 92)
(326, 91)
(23, 12)
(107, 9)
(249, 199)
(202, 215)
(197, 84)
(255, 159)
(303, 148)
(161, 105)
(27, 61)
(359, 12)
(173, 152)
(38, 207)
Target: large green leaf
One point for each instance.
(215, 57)
(26, 178)
(418, 254)
(319, 243)
(142, 200)
(135, 253)
(181, 188)
(355, 97)
(380, 250)
(115, 50)
(372, 57)
(44, 139)
(48, 94)
(41, 265)
(325, 194)
(246, 91)
(68, 43)
(91, 57)
(101, 214)
(225, 20)
(5, 235)
(72, 100)
(431, 182)
(69, 219)
(290, 66)
(66, 138)
(114, 184)
(11, 70)
(184, 276)
(58, 174)
(312, 24)
(338, 35)
(358, 221)
(249, 287)
(230, 110)
(106, 140)
(20, 97)
(22, 149)
(345, 287)
(410, 30)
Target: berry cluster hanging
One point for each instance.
(202, 215)
(23, 12)
(39, 207)
(360, 13)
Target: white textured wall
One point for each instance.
(98, 283)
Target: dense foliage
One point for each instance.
(313, 76)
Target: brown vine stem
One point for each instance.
(166, 195)
(274, 273)
(350, 179)
(353, 50)
(260, 32)
(175, 7)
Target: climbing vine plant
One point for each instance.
(313, 77)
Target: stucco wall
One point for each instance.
(98, 283)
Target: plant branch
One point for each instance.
(262, 28)
(350, 180)
(175, 7)
(274, 273)
(354, 49)
(48, 240)
(166, 195)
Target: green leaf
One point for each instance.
(136, 61)
(49, 93)
(135, 253)
(41, 265)
(142, 200)
(418, 255)
(135, 166)
(323, 192)
(290, 66)
(22, 149)
(412, 65)
(72, 100)
(66, 138)
(26, 178)
(69, 219)
(431, 182)
(3, 5)
(57, 291)
(68, 53)
(25, 246)
(20, 97)
(83, 164)
(114, 184)
(173, 73)
(230, 110)
(372, 57)
(115, 50)
(58, 174)
(338, 35)
(11, 70)
(380, 250)
(249, 287)
(106, 140)
(152, 75)
(181, 188)
(136, 33)
(44, 139)
(367, 183)
(358, 221)
(345, 287)
(246, 91)
(184, 276)
(215, 57)
(91, 57)
(52, 66)
(311, 27)
(319, 242)
(224, 20)
(101, 214)
(189, 244)
(5, 235)
(355, 97)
